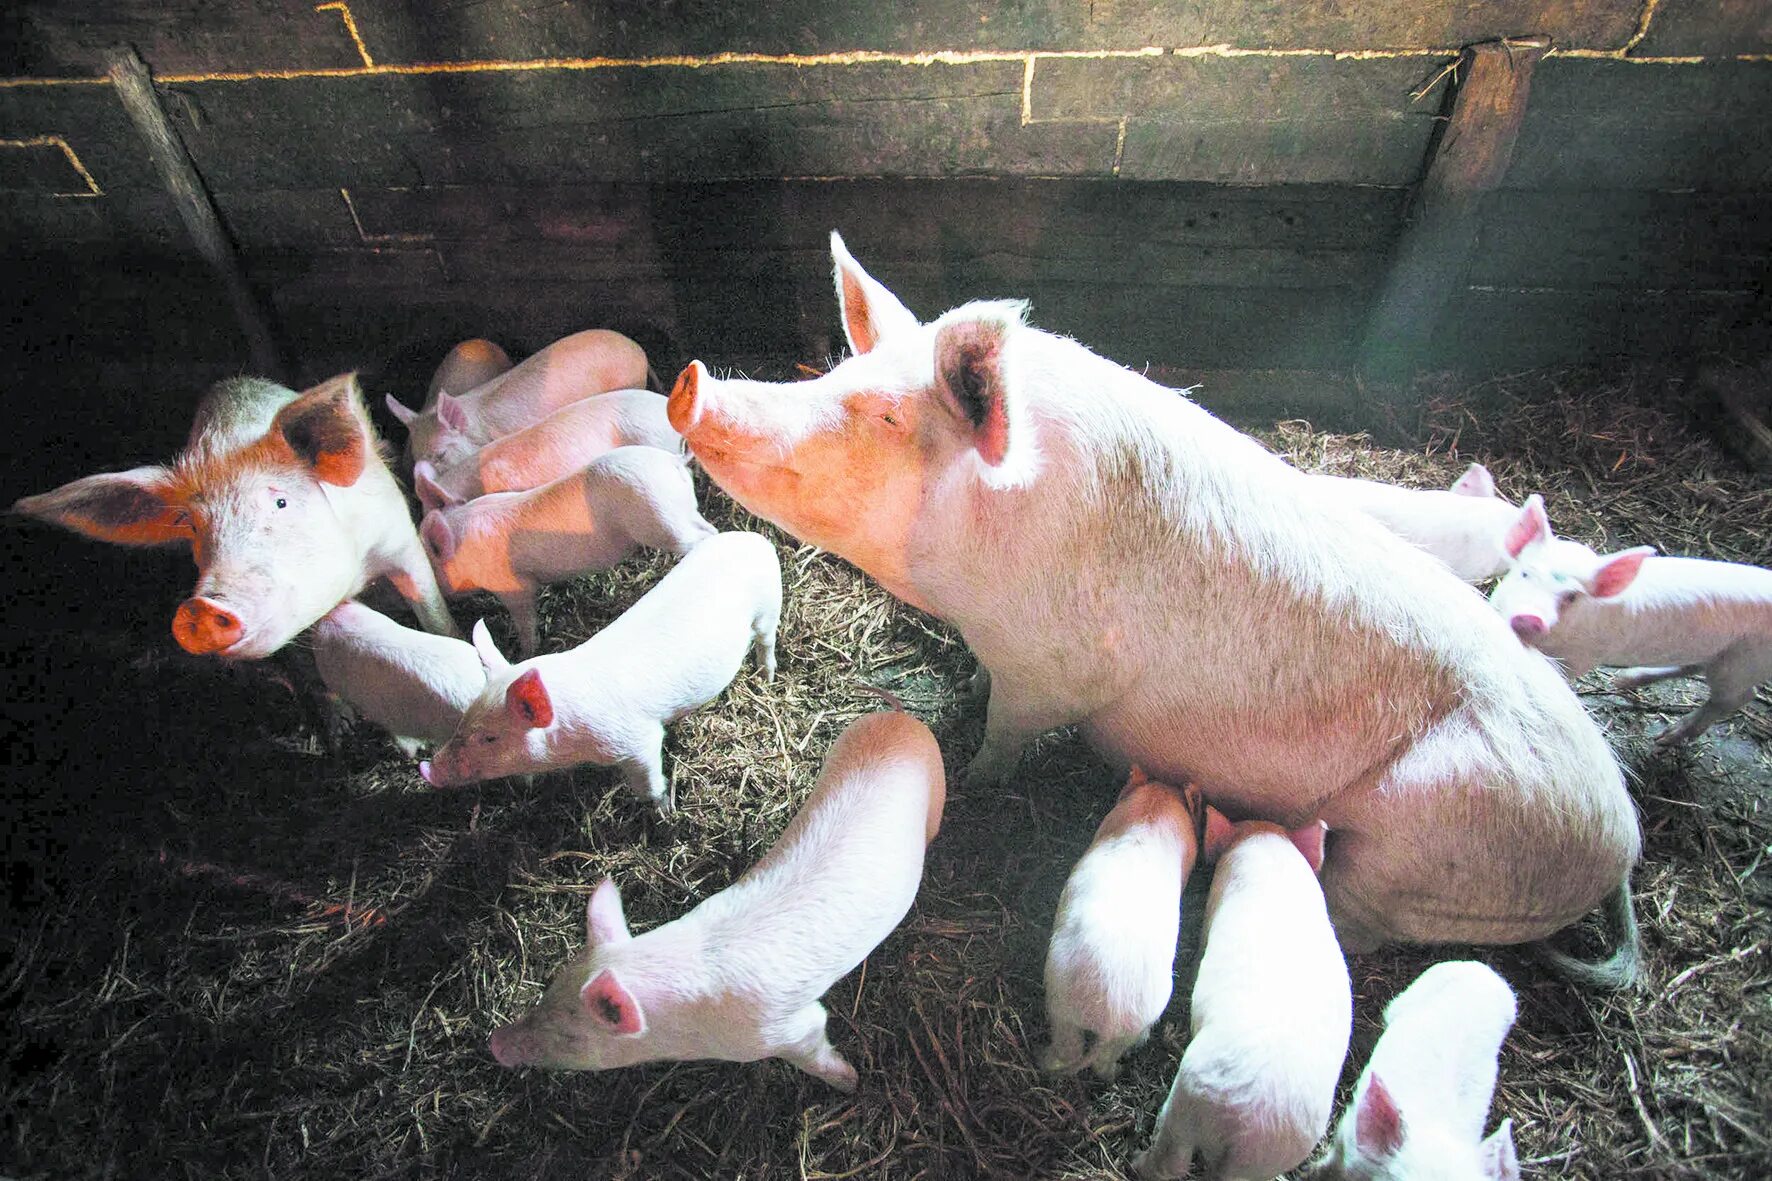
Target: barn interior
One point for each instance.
(1387, 240)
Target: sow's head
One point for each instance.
(850, 460)
(255, 507)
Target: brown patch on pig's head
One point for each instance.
(869, 311)
(327, 429)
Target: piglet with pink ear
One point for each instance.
(739, 977)
(1419, 1107)
(608, 700)
(1271, 1013)
(1659, 617)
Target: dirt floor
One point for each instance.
(232, 954)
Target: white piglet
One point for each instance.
(558, 445)
(1657, 617)
(1419, 1107)
(1110, 967)
(571, 368)
(739, 977)
(608, 700)
(513, 543)
(1462, 525)
(410, 683)
(1271, 1012)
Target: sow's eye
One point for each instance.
(282, 503)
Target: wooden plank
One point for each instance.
(1628, 240)
(1712, 28)
(59, 38)
(1470, 158)
(1498, 329)
(1610, 125)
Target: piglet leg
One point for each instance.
(812, 1050)
(412, 576)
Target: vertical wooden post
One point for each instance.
(135, 88)
(1470, 158)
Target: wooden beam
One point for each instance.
(1469, 159)
(135, 89)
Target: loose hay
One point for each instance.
(228, 1011)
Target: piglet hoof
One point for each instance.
(1107, 1072)
(986, 770)
(976, 689)
(1050, 1061)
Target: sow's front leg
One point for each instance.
(1450, 846)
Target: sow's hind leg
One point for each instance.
(1468, 862)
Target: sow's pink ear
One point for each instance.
(136, 507)
(1618, 571)
(327, 429)
(1531, 525)
(605, 923)
(969, 373)
(612, 1006)
(869, 311)
(1378, 1125)
(528, 700)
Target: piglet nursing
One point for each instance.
(571, 368)
(608, 700)
(412, 684)
(558, 445)
(739, 977)
(1110, 967)
(1271, 1012)
(512, 543)
(1420, 1104)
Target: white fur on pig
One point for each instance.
(559, 444)
(1419, 1107)
(1110, 965)
(410, 683)
(571, 368)
(1662, 617)
(512, 543)
(1119, 558)
(1271, 1013)
(289, 508)
(739, 977)
(608, 700)
(1462, 525)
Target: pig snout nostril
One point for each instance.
(202, 626)
(1527, 626)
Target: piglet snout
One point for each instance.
(1527, 627)
(202, 626)
(507, 1046)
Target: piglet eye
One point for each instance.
(282, 503)
(488, 738)
(889, 420)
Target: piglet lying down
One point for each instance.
(738, 978)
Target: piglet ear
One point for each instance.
(451, 413)
(605, 924)
(612, 1006)
(1617, 571)
(430, 493)
(1531, 526)
(527, 700)
(869, 311)
(438, 537)
(328, 430)
(969, 372)
(491, 659)
(1476, 481)
(399, 410)
(1309, 841)
(1378, 1125)
(1498, 1158)
(1219, 832)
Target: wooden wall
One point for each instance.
(1194, 185)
